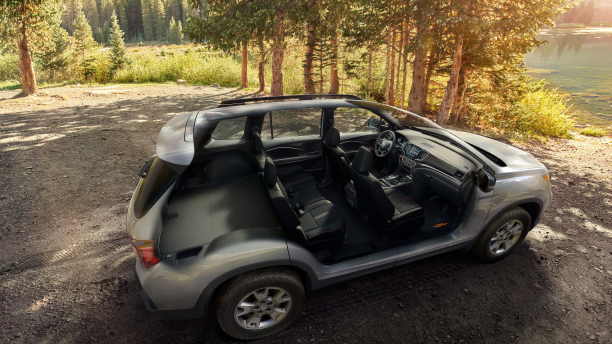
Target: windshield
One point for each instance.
(405, 118)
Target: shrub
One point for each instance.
(541, 112)
(9, 67)
(592, 131)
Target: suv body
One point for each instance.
(201, 216)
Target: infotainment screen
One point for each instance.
(413, 151)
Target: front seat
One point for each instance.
(339, 168)
(394, 213)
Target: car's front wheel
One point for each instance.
(503, 235)
(259, 303)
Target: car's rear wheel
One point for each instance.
(259, 303)
(503, 235)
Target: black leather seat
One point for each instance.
(322, 226)
(258, 149)
(394, 212)
(340, 171)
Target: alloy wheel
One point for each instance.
(506, 236)
(262, 308)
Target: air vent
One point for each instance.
(423, 155)
(459, 175)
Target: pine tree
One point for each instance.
(106, 31)
(123, 22)
(179, 32)
(148, 20)
(172, 32)
(159, 13)
(83, 39)
(118, 56)
(53, 57)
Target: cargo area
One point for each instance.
(208, 204)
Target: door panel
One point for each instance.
(351, 142)
(296, 154)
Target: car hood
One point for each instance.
(513, 157)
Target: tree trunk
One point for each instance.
(28, 80)
(391, 100)
(461, 87)
(430, 65)
(399, 69)
(369, 71)
(403, 96)
(451, 85)
(387, 65)
(418, 72)
(244, 82)
(308, 64)
(261, 76)
(278, 53)
(334, 83)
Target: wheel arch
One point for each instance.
(207, 301)
(533, 206)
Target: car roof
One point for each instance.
(178, 138)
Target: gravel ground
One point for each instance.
(69, 160)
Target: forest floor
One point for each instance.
(68, 165)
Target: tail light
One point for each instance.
(145, 249)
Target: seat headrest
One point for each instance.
(332, 138)
(270, 173)
(257, 144)
(363, 161)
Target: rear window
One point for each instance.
(230, 129)
(159, 178)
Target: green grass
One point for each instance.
(593, 131)
(9, 86)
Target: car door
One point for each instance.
(292, 138)
(352, 123)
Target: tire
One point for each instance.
(242, 290)
(492, 245)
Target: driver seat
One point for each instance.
(394, 212)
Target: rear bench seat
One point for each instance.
(322, 226)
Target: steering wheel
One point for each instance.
(384, 143)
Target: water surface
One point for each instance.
(579, 63)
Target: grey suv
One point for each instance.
(248, 205)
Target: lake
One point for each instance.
(578, 63)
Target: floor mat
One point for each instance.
(439, 214)
(358, 229)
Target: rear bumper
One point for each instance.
(195, 312)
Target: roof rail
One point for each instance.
(243, 101)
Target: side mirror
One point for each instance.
(373, 123)
(484, 180)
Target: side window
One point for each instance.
(230, 129)
(266, 130)
(288, 123)
(351, 120)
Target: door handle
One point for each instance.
(305, 145)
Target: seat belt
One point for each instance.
(299, 209)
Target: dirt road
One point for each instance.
(68, 165)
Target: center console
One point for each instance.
(394, 179)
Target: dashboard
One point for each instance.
(436, 163)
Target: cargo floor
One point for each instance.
(198, 215)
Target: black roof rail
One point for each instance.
(243, 101)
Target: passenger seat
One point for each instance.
(320, 227)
